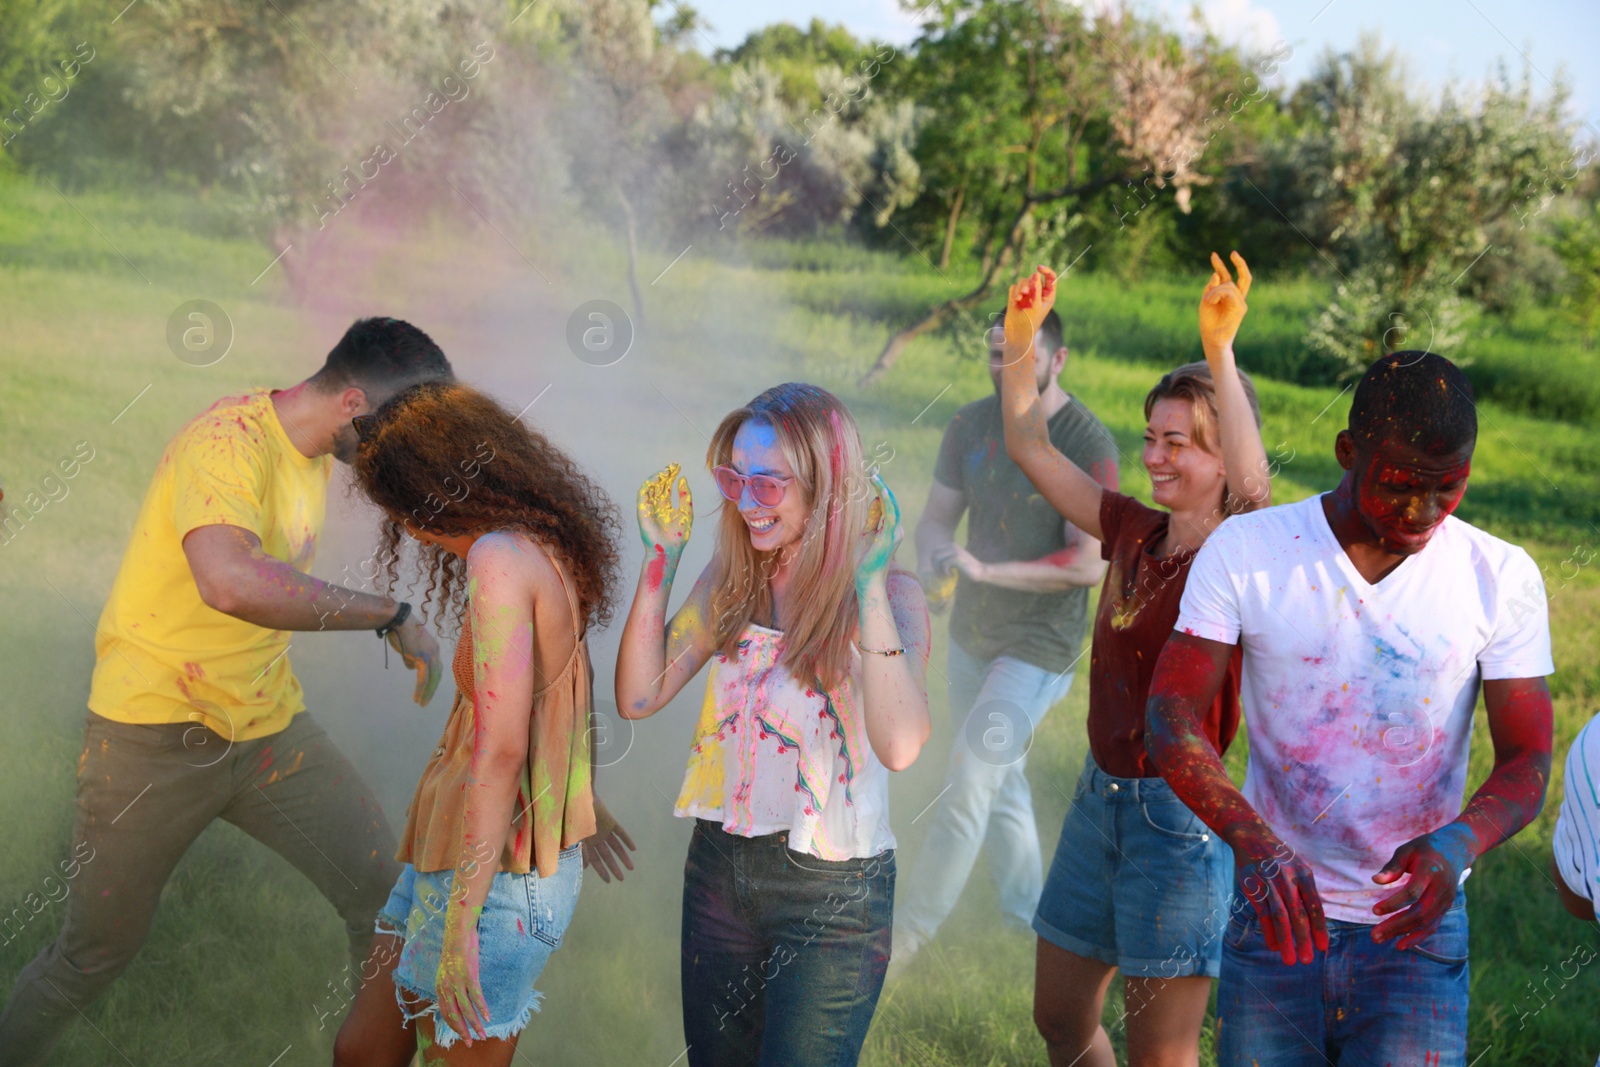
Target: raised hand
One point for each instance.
(1432, 866)
(419, 650)
(1027, 303)
(662, 524)
(1280, 886)
(881, 537)
(1222, 306)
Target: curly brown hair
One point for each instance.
(450, 460)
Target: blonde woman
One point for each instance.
(818, 648)
(1139, 884)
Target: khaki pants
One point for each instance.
(145, 793)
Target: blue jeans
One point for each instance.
(999, 703)
(1138, 881)
(1360, 1004)
(783, 954)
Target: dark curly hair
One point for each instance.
(450, 460)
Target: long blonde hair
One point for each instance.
(822, 445)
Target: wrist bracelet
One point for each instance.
(395, 623)
(882, 651)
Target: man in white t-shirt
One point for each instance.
(1368, 617)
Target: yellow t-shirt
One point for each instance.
(161, 654)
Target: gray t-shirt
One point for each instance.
(1007, 521)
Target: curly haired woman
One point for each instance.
(520, 549)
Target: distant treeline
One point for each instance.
(1005, 134)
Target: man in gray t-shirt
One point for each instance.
(1021, 597)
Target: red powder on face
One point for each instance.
(1406, 508)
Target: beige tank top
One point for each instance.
(555, 799)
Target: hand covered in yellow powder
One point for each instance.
(663, 524)
(459, 994)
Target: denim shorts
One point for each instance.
(1138, 881)
(521, 924)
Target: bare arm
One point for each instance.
(236, 577)
(936, 529)
(892, 614)
(656, 659)
(1520, 724)
(1280, 885)
(1070, 490)
(1073, 567)
(1222, 308)
(507, 578)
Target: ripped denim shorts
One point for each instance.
(521, 924)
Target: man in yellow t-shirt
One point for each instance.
(195, 712)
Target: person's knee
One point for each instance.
(353, 1049)
(1063, 1021)
(973, 786)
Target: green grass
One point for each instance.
(243, 947)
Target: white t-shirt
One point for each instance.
(1577, 840)
(1357, 698)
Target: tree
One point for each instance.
(1400, 194)
(1042, 106)
(1578, 244)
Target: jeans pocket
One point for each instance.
(1448, 942)
(544, 910)
(852, 870)
(1172, 819)
(1240, 923)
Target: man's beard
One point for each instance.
(345, 444)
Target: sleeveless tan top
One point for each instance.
(555, 799)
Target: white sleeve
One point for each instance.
(1520, 647)
(1210, 606)
(1577, 837)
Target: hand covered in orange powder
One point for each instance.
(1222, 306)
(1027, 303)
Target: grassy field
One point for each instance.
(244, 954)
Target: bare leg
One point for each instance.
(495, 1052)
(1069, 993)
(375, 1033)
(1164, 1020)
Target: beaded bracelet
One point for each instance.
(882, 651)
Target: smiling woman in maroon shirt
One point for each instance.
(1139, 884)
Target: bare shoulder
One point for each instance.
(517, 558)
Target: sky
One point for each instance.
(1441, 39)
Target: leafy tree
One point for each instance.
(1400, 194)
(37, 61)
(1041, 107)
(1578, 244)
